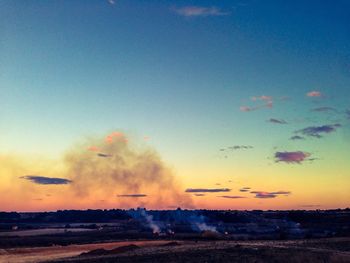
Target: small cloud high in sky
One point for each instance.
(277, 121)
(324, 109)
(165, 103)
(297, 137)
(314, 93)
(292, 157)
(319, 131)
(197, 11)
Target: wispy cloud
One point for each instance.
(132, 195)
(104, 155)
(277, 121)
(239, 147)
(112, 2)
(347, 113)
(310, 206)
(292, 157)
(268, 103)
(314, 93)
(263, 97)
(316, 131)
(231, 196)
(45, 180)
(199, 194)
(296, 137)
(281, 193)
(207, 190)
(324, 109)
(244, 189)
(263, 194)
(198, 11)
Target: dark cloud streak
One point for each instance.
(46, 180)
(207, 190)
(316, 131)
(277, 121)
(133, 195)
(231, 196)
(292, 157)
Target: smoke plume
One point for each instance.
(129, 168)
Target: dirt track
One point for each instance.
(322, 250)
(38, 254)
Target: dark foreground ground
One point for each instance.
(330, 250)
(296, 251)
(139, 235)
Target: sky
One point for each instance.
(200, 104)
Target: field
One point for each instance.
(175, 236)
(320, 250)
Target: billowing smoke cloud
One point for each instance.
(207, 190)
(292, 157)
(129, 168)
(45, 180)
(141, 214)
(277, 121)
(132, 195)
(316, 131)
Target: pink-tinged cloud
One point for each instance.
(110, 138)
(314, 93)
(292, 157)
(245, 108)
(268, 105)
(263, 97)
(93, 149)
(197, 11)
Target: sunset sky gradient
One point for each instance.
(240, 95)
